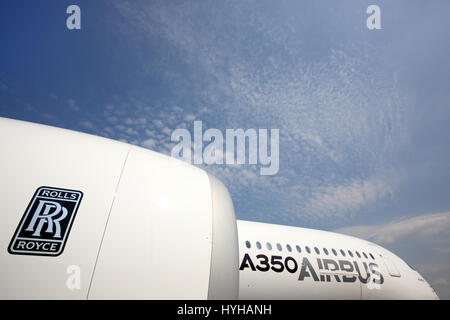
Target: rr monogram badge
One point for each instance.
(45, 226)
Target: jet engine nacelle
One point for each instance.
(84, 217)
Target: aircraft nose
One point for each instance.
(433, 293)
(429, 292)
(424, 289)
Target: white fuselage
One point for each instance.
(282, 262)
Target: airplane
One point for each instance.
(86, 217)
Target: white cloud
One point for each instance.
(111, 119)
(109, 130)
(141, 121)
(158, 123)
(167, 131)
(132, 132)
(441, 281)
(71, 103)
(189, 117)
(436, 267)
(343, 200)
(416, 227)
(87, 124)
(121, 127)
(149, 143)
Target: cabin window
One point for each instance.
(279, 247)
(365, 255)
(298, 248)
(357, 253)
(288, 247)
(316, 250)
(269, 246)
(371, 256)
(350, 253)
(343, 253)
(307, 249)
(334, 252)
(247, 244)
(258, 245)
(325, 250)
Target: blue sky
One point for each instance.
(363, 114)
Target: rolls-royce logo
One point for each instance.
(45, 226)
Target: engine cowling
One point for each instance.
(145, 225)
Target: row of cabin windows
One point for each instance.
(308, 250)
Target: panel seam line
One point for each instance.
(107, 220)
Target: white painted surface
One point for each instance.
(157, 244)
(224, 276)
(257, 284)
(34, 156)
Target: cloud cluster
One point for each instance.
(428, 225)
(341, 199)
(340, 120)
